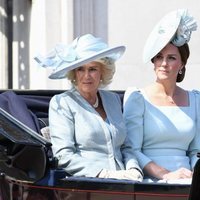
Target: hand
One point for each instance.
(131, 174)
(178, 174)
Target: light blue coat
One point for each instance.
(82, 141)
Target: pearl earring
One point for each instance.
(180, 71)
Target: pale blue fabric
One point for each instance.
(84, 49)
(82, 141)
(166, 135)
(186, 26)
(81, 47)
(175, 27)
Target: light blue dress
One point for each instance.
(166, 135)
(82, 141)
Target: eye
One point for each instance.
(158, 57)
(80, 69)
(172, 58)
(92, 69)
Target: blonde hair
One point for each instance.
(108, 70)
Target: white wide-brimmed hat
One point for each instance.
(84, 49)
(175, 27)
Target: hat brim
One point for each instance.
(157, 39)
(113, 53)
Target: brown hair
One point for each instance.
(185, 53)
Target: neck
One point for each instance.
(91, 97)
(167, 89)
(163, 95)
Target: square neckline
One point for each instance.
(168, 106)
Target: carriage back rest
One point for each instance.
(38, 102)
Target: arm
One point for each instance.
(158, 172)
(194, 147)
(154, 170)
(129, 158)
(134, 109)
(62, 132)
(118, 136)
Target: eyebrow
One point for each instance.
(92, 66)
(174, 54)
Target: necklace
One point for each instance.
(96, 104)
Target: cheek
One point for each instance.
(79, 74)
(97, 75)
(77, 78)
(176, 67)
(155, 68)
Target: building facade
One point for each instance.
(29, 27)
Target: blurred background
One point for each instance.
(29, 27)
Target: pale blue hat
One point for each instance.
(175, 27)
(84, 49)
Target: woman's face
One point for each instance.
(167, 63)
(88, 77)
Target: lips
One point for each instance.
(163, 71)
(87, 83)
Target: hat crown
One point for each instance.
(82, 47)
(175, 27)
(87, 45)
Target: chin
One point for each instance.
(163, 77)
(88, 89)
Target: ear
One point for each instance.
(182, 66)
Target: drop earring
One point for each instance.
(180, 71)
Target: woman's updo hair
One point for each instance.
(108, 70)
(185, 53)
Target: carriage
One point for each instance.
(28, 169)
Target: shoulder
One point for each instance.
(57, 97)
(111, 97)
(68, 93)
(196, 94)
(109, 94)
(134, 103)
(133, 94)
(62, 97)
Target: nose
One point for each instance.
(164, 62)
(87, 73)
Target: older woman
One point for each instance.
(86, 123)
(163, 119)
